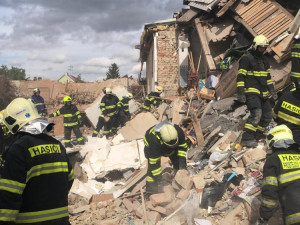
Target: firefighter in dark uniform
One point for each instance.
(151, 100)
(295, 51)
(39, 102)
(72, 121)
(287, 111)
(281, 172)
(254, 85)
(36, 175)
(164, 139)
(123, 108)
(109, 116)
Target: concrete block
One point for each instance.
(128, 204)
(184, 180)
(154, 217)
(199, 181)
(253, 156)
(183, 194)
(160, 199)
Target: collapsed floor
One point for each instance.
(110, 174)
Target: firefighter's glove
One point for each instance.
(51, 115)
(261, 221)
(241, 98)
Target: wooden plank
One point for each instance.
(281, 29)
(253, 11)
(225, 8)
(244, 9)
(187, 16)
(283, 10)
(177, 105)
(274, 21)
(279, 49)
(227, 84)
(197, 128)
(259, 11)
(295, 24)
(132, 181)
(277, 26)
(263, 16)
(208, 57)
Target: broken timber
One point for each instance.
(197, 128)
(225, 8)
(187, 16)
(208, 57)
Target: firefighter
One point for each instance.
(36, 175)
(281, 173)
(163, 139)
(72, 120)
(152, 99)
(39, 102)
(295, 71)
(109, 116)
(287, 111)
(254, 85)
(123, 108)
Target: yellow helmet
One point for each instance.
(107, 91)
(1, 116)
(129, 95)
(18, 113)
(159, 89)
(260, 40)
(278, 133)
(169, 135)
(67, 99)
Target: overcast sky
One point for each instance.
(48, 37)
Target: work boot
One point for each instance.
(250, 143)
(81, 142)
(68, 145)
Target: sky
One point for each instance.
(50, 37)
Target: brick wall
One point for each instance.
(167, 63)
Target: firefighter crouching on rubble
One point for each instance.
(123, 108)
(109, 116)
(36, 175)
(151, 100)
(164, 139)
(72, 120)
(254, 85)
(295, 52)
(39, 102)
(287, 110)
(281, 177)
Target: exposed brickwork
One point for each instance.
(167, 62)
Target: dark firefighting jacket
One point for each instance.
(35, 180)
(281, 184)
(151, 100)
(71, 115)
(40, 104)
(123, 104)
(295, 71)
(287, 111)
(108, 105)
(155, 149)
(254, 75)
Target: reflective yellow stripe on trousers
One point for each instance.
(8, 214)
(40, 216)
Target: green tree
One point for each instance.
(113, 72)
(14, 73)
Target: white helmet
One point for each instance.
(297, 36)
(169, 135)
(129, 95)
(18, 113)
(36, 90)
(279, 133)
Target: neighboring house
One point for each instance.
(67, 78)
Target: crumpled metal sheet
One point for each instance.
(37, 126)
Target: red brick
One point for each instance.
(160, 199)
(183, 194)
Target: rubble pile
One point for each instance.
(221, 186)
